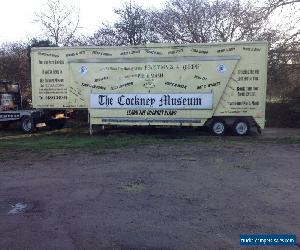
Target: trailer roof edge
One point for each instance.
(152, 45)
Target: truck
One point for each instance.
(12, 111)
(218, 85)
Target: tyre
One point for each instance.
(218, 127)
(27, 124)
(241, 127)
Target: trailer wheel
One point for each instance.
(218, 127)
(241, 127)
(27, 124)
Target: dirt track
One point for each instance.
(189, 196)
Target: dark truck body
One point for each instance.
(11, 110)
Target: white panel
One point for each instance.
(149, 101)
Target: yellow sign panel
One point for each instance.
(234, 74)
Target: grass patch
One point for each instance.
(75, 139)
(4, 133)
(83, 141)
(257, 140)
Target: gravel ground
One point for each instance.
(182, 196)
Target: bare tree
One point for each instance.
(189, 21)
(107, 35)
(236, 20)
(272, 5)
(289, 12)
(134, 26)
(15, 66)
(184, 21)
(284, 53)
(60, 21)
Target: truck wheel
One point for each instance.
(241, 127)
(27, 124)
(218, 127)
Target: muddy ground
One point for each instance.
(182, 196)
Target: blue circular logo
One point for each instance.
(83, 70)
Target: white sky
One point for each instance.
(16, 17)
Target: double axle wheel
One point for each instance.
(240, 127)
(218, 127)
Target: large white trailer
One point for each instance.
(219, 85)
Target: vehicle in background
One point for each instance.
(11, 110)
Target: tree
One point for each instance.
(272, 5)
(133, 27)
(237, 21)
(189, 21)
(38, 43)
(184, 21)
(60, 22)
(133, 24)
(106, 36)
(284, 53)
(288, 11)
(15, 67)
(15, 64)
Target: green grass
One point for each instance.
(67, 142)
(82, 141)
(76, 139)
(9, 133)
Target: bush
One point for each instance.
(283, 115)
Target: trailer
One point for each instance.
(219, 85)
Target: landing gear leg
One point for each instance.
(258, 129)
(91, 129)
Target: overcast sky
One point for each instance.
(16, 17)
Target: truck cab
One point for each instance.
(10, 96)
(11, 109)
